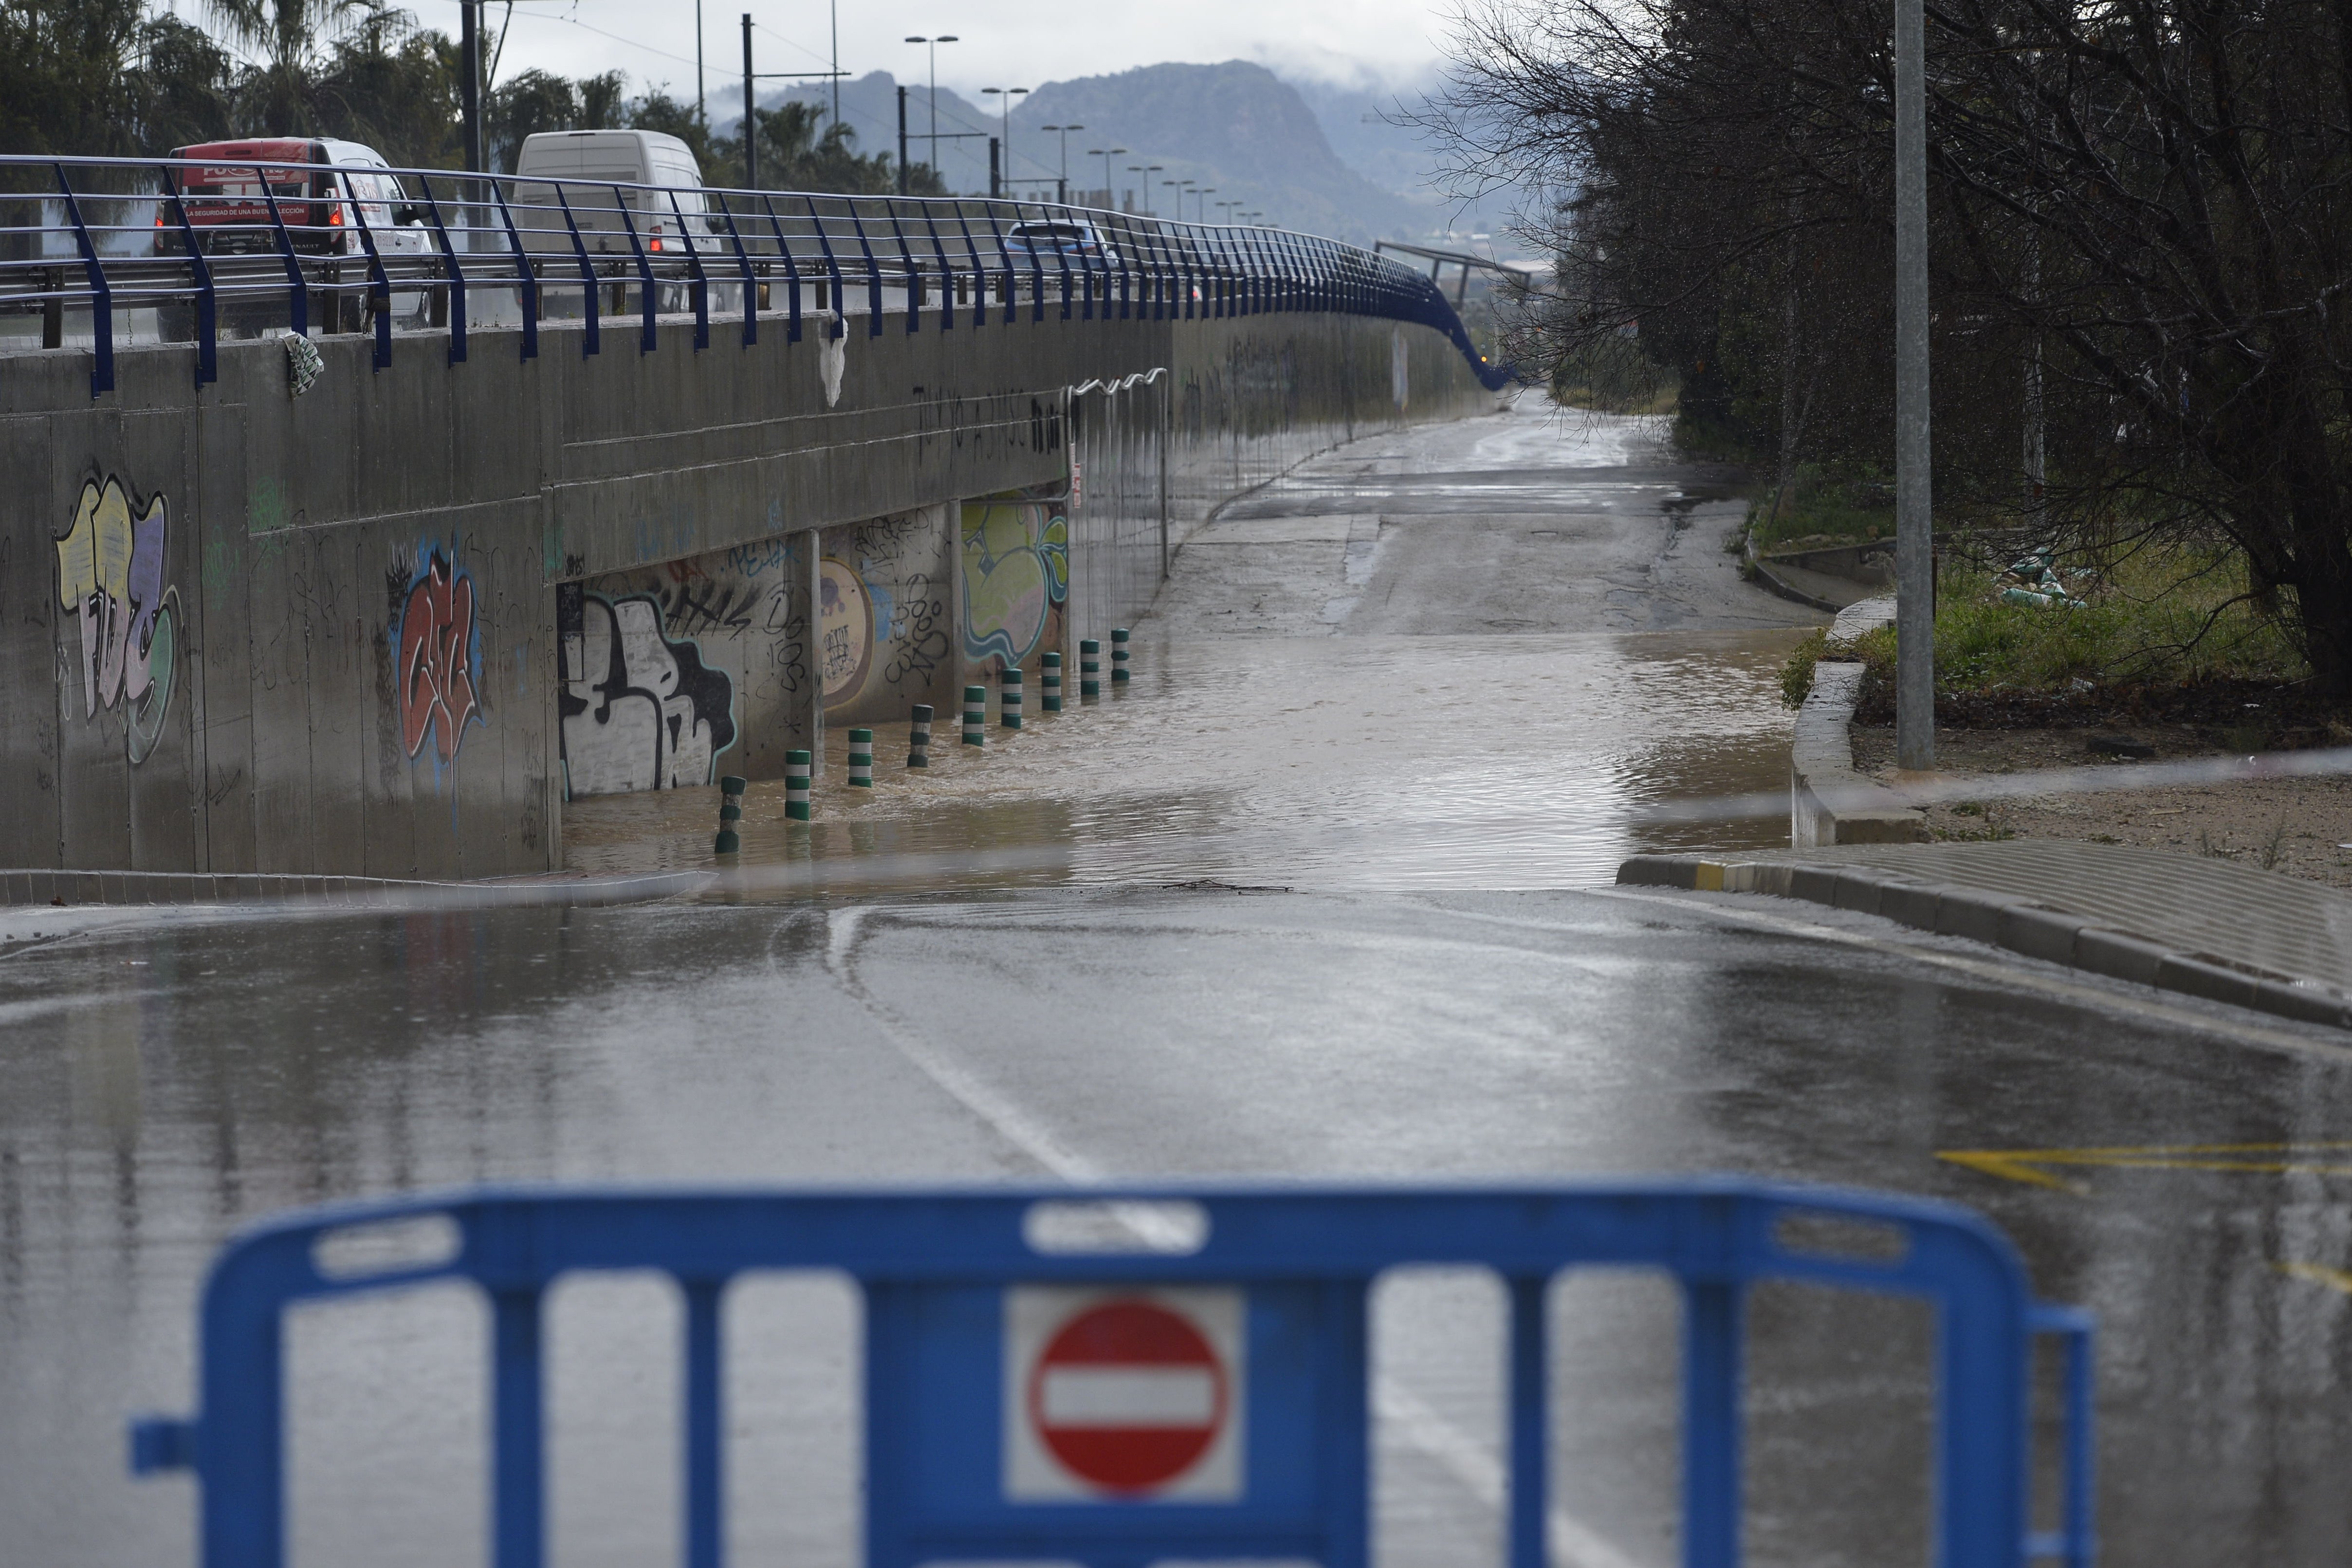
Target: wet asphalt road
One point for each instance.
(164, 1079)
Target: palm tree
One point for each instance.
(281, 95)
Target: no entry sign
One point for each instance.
(1112, 1393)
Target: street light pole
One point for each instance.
(935, 43)
(1004, 97)
(1062, 183)
(1914, 538)
(750, 115)
(1110, 201)
(1147, 170)
(1205, 192)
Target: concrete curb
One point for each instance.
(1829, 802)
(2001, 919)
(1775, 583)
(28, 887)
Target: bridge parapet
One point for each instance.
(297, 614)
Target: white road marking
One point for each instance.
(1574, 1544)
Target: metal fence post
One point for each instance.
(979, 272)
(700, 288)
(297, 293)
(526, 280)
(792, 271)
(1711, 1342)
(648, 339)
(591, 341)
(1529, 1388)
(201, 276)
(518, 1417)
(456, 283)
(751, 282)
(947, 271)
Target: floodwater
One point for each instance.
(1408, 678)
(1471, 656)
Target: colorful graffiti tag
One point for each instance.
(110, 573)
(1016, 569)
(639, 710)
(845, 628)
(440, 647)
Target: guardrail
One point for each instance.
(1120, 1377)
(217, 247)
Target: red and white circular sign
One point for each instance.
(1128, 1396)
(1124, 1394)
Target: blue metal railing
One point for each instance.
(941, 1271)
(215, 247)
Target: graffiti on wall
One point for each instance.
(1016, 571)
(845, 623)
(638, 710)
(439, 642)
(110, 574)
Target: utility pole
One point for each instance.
(701, 87)
(902, 141)
(750, 115)
(1914, 538)
(836, 61)
(469, 93)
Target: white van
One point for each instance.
(608, 158)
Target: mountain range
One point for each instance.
(1243, 135)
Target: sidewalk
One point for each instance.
(2206, 927)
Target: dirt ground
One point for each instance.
(2299, 826)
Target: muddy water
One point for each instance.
(1462, 655)
(1380, 762)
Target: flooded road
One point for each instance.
(1424, 684)
(1467, 656)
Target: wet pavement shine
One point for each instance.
(1441, 994)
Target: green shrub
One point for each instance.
(2170, 616)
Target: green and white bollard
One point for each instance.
(1118, 655)
(1008, 706)
(1089, 669)
(861, 759)
(919, 737)
(796, 786)
(975, 715)
(731, 812)
(1049, 683)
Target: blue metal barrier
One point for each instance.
(1191, 1390)
(513, 238)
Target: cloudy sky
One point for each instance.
(1370, 43)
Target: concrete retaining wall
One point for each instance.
(243, 631)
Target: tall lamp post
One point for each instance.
(1110, 201)
(1147, 170)
(935, 43)
(1062, 181)
(1205, 192)
(1914, 538)
(1004, 97)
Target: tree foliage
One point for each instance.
(101, 77)
(2140, 237)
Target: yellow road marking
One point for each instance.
(2027, 1165)
(2320, 1274)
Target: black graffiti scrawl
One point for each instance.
(637, 709)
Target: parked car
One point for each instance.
(325, 189)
